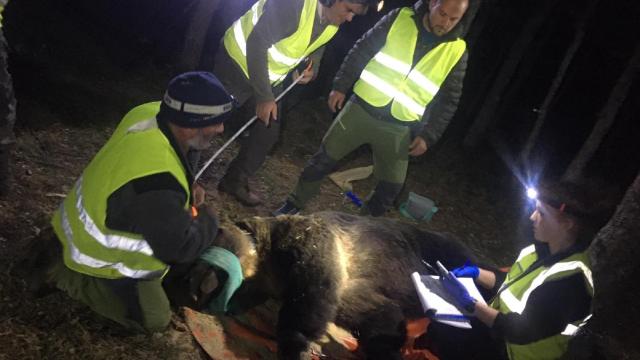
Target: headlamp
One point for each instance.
(532, 193)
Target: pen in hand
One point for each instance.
(429, 267)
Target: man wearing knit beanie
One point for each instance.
(131, 214)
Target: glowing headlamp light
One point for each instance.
(532, 194)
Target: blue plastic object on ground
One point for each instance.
(418, 208)
(354, 198)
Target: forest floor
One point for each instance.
(72, 92)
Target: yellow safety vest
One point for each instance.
(3, 3)
(514, 299)
(136, 149)
(284, 55)
(389, 77)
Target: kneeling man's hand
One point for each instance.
(199, 195)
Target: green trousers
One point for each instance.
(352, 128)
(139, 305)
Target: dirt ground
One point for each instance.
(70, 99)
(48, 160)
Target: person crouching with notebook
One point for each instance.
(546, 295)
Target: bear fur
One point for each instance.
(333, 267)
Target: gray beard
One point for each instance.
(198, 143)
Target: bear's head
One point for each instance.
(246, 240)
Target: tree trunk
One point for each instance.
(605, 118)
(478, 13)
(557, 81)
(197, 33)
(486, 117)
(613, 331)
(521, 78)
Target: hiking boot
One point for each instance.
(367, 210)
(240, 192)
(288, 208)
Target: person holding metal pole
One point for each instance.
(407, 74)
(257, 53)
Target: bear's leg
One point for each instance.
(383, 332)
(250, 294)
(303, 317)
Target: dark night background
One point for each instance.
(134, 35)
(80, 64)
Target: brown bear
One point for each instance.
(327, 267)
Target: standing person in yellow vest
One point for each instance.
(546, 296)
(408, 71)
(258, 52)
(129, 216)
(7, 112)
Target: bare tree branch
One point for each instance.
(605, 119)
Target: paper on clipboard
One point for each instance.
(431, 295)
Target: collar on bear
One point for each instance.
(229, 262)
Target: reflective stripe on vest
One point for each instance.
(388, 77)
(517, 306)
(111, 241)
(526, 251)
(571, 329)
(550, 348)
(136, 149)
(525, 259)
(514, 299)
(284, 55)
(80, 258)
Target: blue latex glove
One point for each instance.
(467, 270)
(458, 292)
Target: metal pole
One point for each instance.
(243, 128)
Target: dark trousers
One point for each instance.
(258, 140)
(7, 116)
(255, 143)
(7, 98)
(451, 343)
